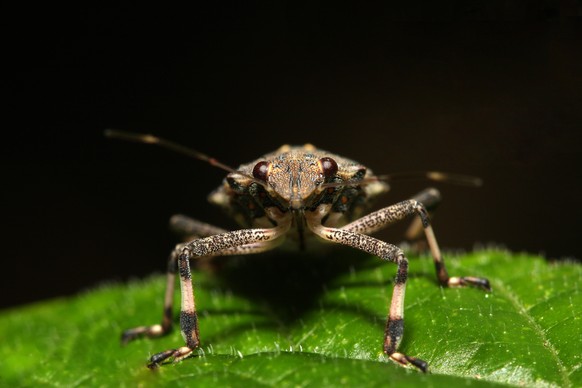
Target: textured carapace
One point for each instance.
(295, 178)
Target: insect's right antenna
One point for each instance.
(437, 176)
(151, 139)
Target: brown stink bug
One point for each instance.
(291, 193)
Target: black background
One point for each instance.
(492, 89)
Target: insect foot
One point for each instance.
(469, 281)
(175, 355)
(404, 360)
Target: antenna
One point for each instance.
(437, 176)
(151, 139)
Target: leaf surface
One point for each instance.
(289, 320)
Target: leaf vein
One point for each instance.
(523, 311)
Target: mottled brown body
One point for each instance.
(295, 192)
(296, 182)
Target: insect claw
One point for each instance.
(129, 335)
(478, 282)
(403, 359)
(158, 358)
(125, 338)
(152, 366)
(175, 355)
(420, 364)
(469, 281)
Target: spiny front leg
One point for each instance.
(395, 321)
(380, 219)
(229, 242)
(185, 226)
(165, 327)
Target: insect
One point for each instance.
(296, 192)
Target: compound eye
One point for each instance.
(261, 170)
(328, 167)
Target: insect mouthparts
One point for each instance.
(295, 203)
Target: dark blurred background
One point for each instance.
(487, 88)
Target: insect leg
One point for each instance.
(190, 228)
(395, 322)
(430, 198)
(388, 215)
(253, 248)
(159, 330)
(222, 243)
(163, 328)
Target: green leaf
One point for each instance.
(305, 320)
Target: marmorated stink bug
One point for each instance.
(295, 192)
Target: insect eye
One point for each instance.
(261, 170)
(328, 167)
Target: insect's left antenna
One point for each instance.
(151, 139)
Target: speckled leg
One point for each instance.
(188, 226)
(395, 321)
(380, 219)
(248, 240)
(355, 235)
